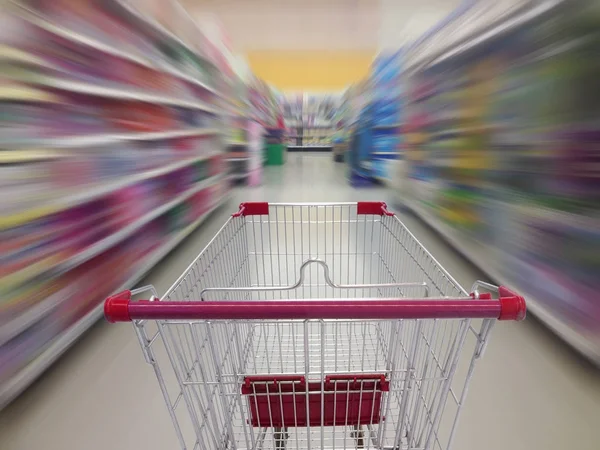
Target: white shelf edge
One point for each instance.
(121, 93)
(18, 383)
(569, 334)
(105, 139)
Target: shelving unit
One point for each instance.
(486, 257)
(123, 157)
(239, 155)
(245, 153)
(376, 132)
(14, 385)
(504, 171)
(309, 122)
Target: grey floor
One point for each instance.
(529, 390)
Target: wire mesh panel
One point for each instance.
(316, 251)
(313, 383)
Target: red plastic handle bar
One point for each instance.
(262, 209)
(120, 308)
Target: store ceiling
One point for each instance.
(355, 25)
(296, 24)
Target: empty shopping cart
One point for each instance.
(315, 326)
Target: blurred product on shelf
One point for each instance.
(245, 144)
(111, 153)
(502, 157)
(309, 120)
(387, 114)
(256, 143)
(342, 121)
(266, 102)
(246, 154)
(339, 150)
(376, 139)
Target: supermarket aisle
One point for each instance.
(529, 391)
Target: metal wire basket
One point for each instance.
(315, 326)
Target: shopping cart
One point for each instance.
(315, 326)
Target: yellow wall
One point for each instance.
(310, 70)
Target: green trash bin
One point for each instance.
(275, 154)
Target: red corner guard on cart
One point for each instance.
(116, 307)
(509, 306)
(377, 208)
(513, 306)
(252, 209)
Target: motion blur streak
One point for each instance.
(109, 155)
(502, 153)
(110, 119)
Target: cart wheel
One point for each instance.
(280, 435)
(359, 435)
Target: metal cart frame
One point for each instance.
(318, 326)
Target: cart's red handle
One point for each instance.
(510, 306)
(262, 209)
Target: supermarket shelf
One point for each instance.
(526, 15)
(120, 93)
(45, 24)
(189, 78)
(14, 386)
(38, 20)
(483, 257)
(127, 231)
(108, 138)
(157, 29)
(14, 327)
(95, 191)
